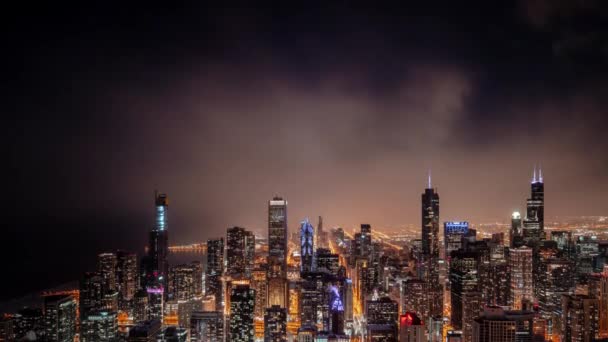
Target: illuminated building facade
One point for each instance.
(411, 328)
(275, 324)
(106, 267)
(453, 233)
(140, 306)
(126, 277)
(156, 266)
(382, 311)
(240, 252)
(429, 258)
(185, 281)
(307, 249)
(415, 297)
(207, 326)
(260, 285)
(598, 288)
(522, 287)
(92, 291)
(327, 262)
(277, 232)
(60, 318)
(277, 252)
(553, 277)
(580, 318)
(99, 326)
(533, 225)
(464, 286)
(215, 268)
(498, 325)
(156, 302)
(336, 311)
(242, 305)
(516, 238)
(435, 329)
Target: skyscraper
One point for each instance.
(156, 302)
(598, 288)
(522, 288)
(215, 267)
(275, 324)
(430, 248)
(580, 318)
(277, 252)
(184, 281)
(240, 252)
(533, 226)
(242, 305)
(307, 246)
(466, 301)
(99, 326)
(277, 232)
(411, 328)
(453, 233)
(207, 326)
(415, 297)
(382, 319)
(515, 233)
(498, 325)
(336, 311)
(60, 318)
(430, 222)
(553, 277)
(158, 247)
(106, 267)
(365, 243)
(126, 277)
(92, 291)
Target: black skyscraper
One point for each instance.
(533, 229)
(158, 248)
(430, 222)
(430, 247)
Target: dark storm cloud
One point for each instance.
(341, 109)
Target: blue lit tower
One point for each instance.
(159, 244)
(307, 246)
(453, 233)
(533, 227)
(336, 308)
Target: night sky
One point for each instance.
(340, 108)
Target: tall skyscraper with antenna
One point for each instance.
(430, 246)
(533, 225)
(155, 265)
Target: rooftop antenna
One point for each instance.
(429, 185)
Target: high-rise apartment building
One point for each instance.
(60, 318)
(275, 324)
(242, 305)
(240, 252)
(522, 287)
(214, 271)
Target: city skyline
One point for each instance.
(167, 164)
